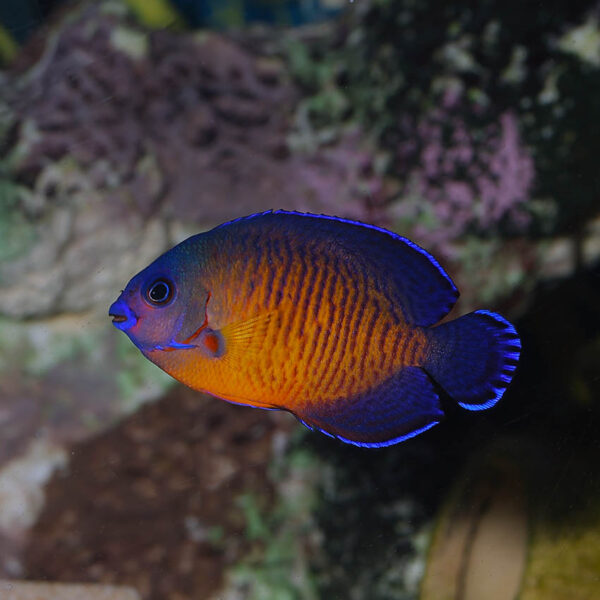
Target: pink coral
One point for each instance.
(467, 178)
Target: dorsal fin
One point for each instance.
(425, 290)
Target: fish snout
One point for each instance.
(122, 316)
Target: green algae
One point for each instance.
(491, 268)
(283, 535)
(138, 380)
(17, 234)
(129, 41)
(154, 14)
(583, 41)
(564, 563)
(564, 547)
(37, 348)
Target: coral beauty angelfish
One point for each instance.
(329, 319)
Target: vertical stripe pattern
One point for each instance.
(326, 328)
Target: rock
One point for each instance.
(21, 486)
(165, 128)
(83, 245)
(480, 544)
(16, 590)
(511, 529)
(155, 502)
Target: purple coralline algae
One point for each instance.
(467, 178)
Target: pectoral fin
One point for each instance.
(247, 336)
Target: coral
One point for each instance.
(469, 179)
(119, 134)
(500, 102)
(109, 92)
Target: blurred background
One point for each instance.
(127, 125)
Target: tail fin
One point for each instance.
(474, 358)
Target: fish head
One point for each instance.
(163, 305)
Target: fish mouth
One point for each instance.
(122, 316)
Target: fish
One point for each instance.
(333, 320)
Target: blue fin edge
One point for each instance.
(514, 355)
(391, 442)
(173, 345)
(396, 236)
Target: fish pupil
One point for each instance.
(159, 292)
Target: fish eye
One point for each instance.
(159, 292)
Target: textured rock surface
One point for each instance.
(479, 548)
(15, 590)
(174, 496)
(508, 529)
(117, 136)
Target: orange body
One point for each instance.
(312, 328)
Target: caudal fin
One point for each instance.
(474, 358)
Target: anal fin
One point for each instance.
(398, 409)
